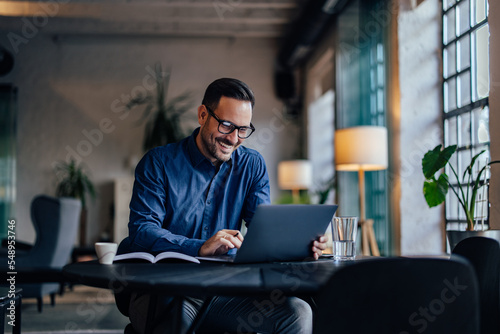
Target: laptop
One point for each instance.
(281, 233)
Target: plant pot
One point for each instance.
(82, 238)
(454, 237)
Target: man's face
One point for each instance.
(215, 146)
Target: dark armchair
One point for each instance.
(484, 254)
(56, 223)
(398, 295)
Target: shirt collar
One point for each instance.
(194, 153)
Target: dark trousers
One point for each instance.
(274, 314)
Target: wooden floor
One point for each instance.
(82, 310)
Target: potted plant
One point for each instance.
(162, 118)
(74, 182)
(324, 189)
(436, 186)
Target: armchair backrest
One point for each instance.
(484, 254)
(400, 295)
(56, 222)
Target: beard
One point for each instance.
(213, 145)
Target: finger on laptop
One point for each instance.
(320, 243)
(217, 244)
(319, 246)
(233, 235)
(317, 252)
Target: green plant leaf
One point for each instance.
(161, 115)
(436, 159)
(468, 170)
(435, 190)
(74, 182)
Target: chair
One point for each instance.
(56, 223)
(484, 254)
(400, 295)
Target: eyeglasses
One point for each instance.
(226, 127)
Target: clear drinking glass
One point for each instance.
(344, 231)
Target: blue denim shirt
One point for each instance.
(179, 200)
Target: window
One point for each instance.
(8, 97)
(320, 123)
(361, 90)
(465, 89)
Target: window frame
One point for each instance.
(471, 147)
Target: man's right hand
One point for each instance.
(221, 242)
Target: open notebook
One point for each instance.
(281, 233)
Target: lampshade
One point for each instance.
(361, 148)
(295, 174)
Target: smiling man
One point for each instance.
(192, 196)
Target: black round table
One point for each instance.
(206, 280)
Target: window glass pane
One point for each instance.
(464, 161)
(380, 74)
(487, 158)
(450, 131)
(463, 16)
(452, 205)
(321, 120)
(463, 46)
(450, 91)
(480, 129)
(482, 62)
(449, 56)
(373, 104)
(481, 160)
(380, 99)
(449, 26)
(447, 4)
(454, 163)
(464, 130)
(461, 213)
(479, 8)
(380, 52)
(464, 88)
(372, 79)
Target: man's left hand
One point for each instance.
(319, 246)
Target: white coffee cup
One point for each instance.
(106, 251)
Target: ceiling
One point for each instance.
(172, 18)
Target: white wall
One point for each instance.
(72, 84)
(420, 123)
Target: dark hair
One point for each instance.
(227, 87)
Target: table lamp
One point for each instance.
(295, 175)
(362, 148)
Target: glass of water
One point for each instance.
(344, 231)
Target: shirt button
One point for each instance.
(205, 228)
(208, 202)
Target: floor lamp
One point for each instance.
(295, 175)
(362, 148)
